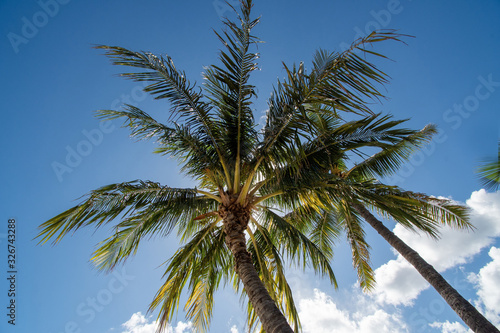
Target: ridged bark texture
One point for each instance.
(235, 219)
(473, 318)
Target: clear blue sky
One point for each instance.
(54, 150)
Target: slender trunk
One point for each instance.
(235, 222)
(475, 320)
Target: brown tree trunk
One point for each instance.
(235, 221)
(475, 320)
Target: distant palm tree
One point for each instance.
(490, 172)
(354, 189)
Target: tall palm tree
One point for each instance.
(243, 175)
(489, 172)
(416, 211)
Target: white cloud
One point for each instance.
(448, 327)
(399, 283)
(138, 323)
(487, 282)
(321, 315)
(234, 329)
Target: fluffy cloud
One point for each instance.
(399, 283)
(138, 323)
(487, 282)
(320, 314)
(448, 327)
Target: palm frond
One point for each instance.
(172, 84)
(414, 211)
(391, 158)
(214, 268)
(359, 247)
(154, 220)
(197, 154)
(307, 165)
(299, 248)
(343, 80)
(229, 90)
(325, 231)
(337, 80)
(133, 200)
(489, 172)
(142, 125)
(203, 262)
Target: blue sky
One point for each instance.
(55, 150)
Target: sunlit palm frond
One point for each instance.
(166, 82)
(229, 90)
(213, 267)
(298, 247)
(203, 262)
(156, 219)
(360, 249)
(337, 80)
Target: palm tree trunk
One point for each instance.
(475, 320)
(271, 318)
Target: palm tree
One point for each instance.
(244, 176)
(489, 172)
(415, 211)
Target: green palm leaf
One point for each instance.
(391, 158)
(489, 172)
(127, 200)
